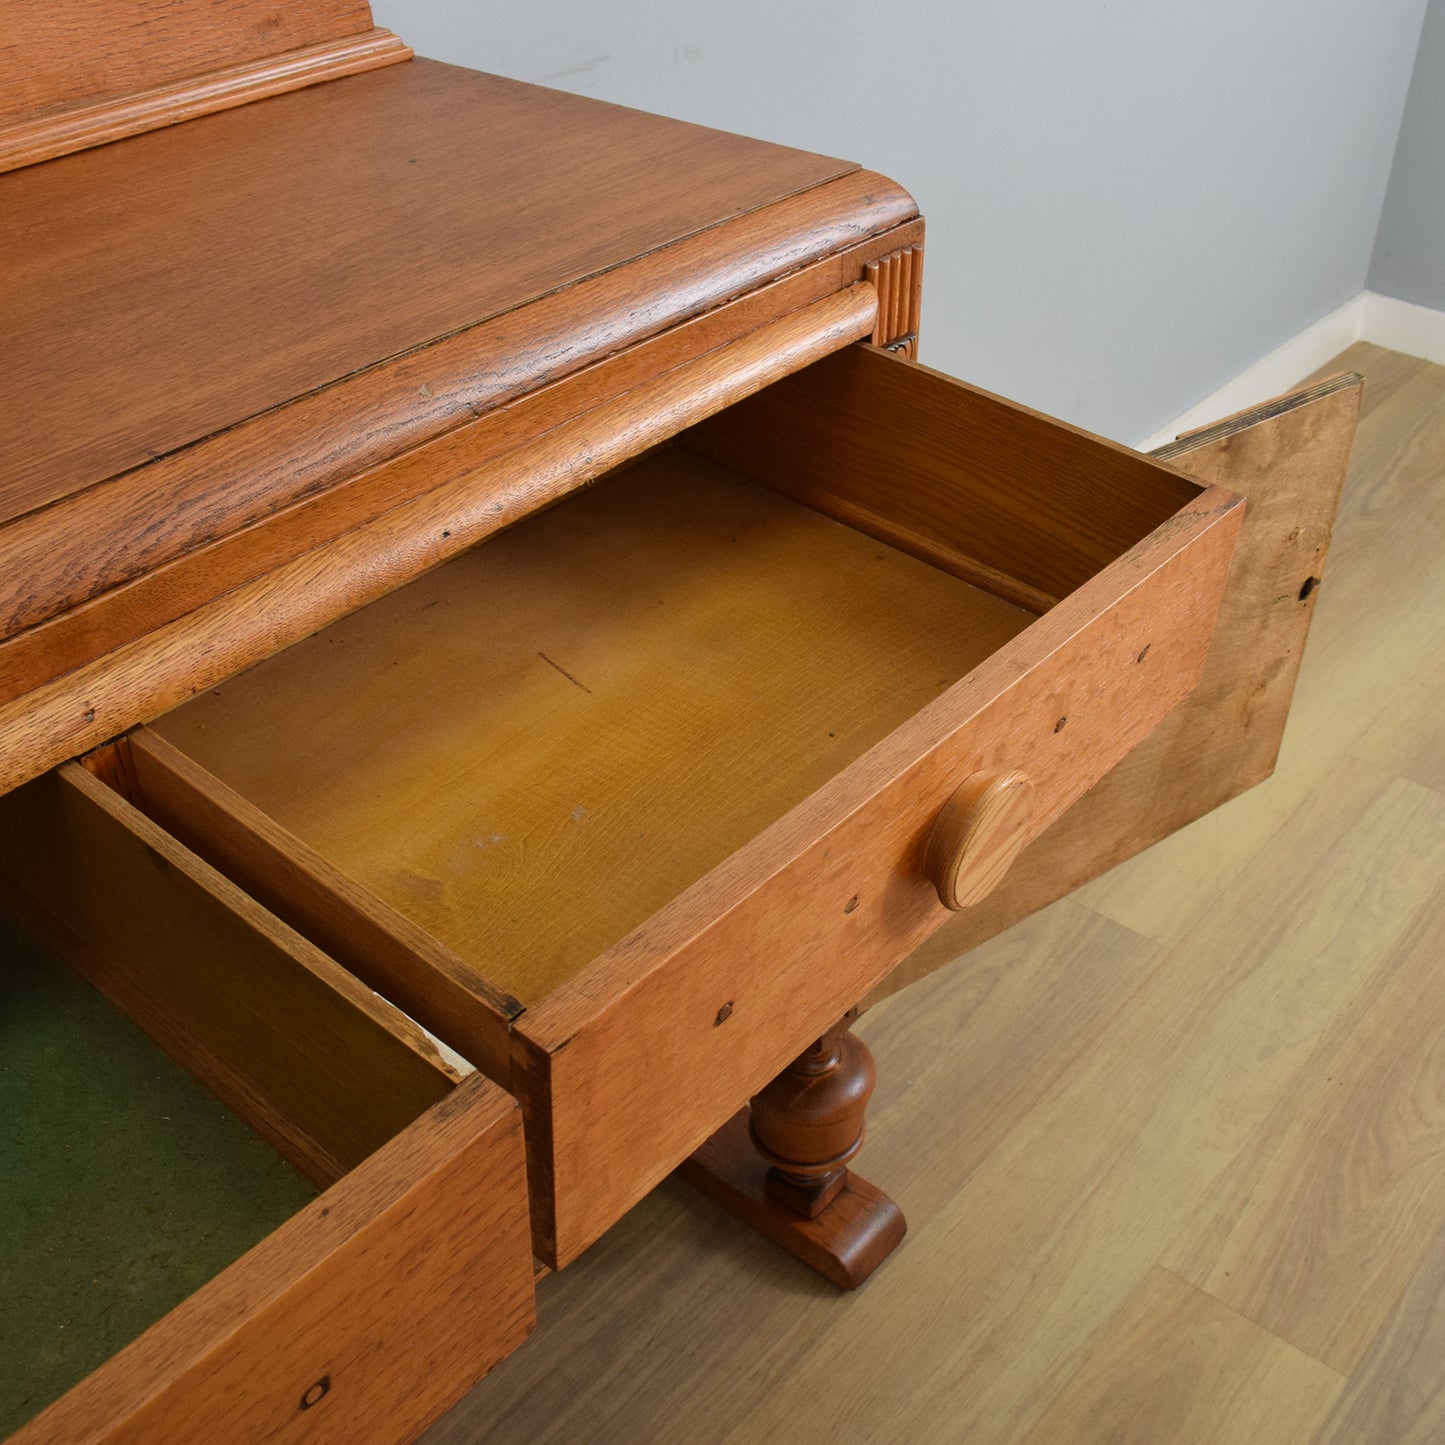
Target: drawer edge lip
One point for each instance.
(549, 1024)
(1175, 453)
(201, 783)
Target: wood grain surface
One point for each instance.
(57, 54)
(332, 499)
(1320, 1226)
(244, 473)
(1175, 1364)
(1397, 1391)
(653, 671)
(361, 1318)
(260, 284)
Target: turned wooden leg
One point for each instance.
(781, 1164)
(809, 1122)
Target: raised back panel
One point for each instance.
(60, 54)
(81, 72)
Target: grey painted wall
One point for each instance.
(1128, 202)
(1409, 259)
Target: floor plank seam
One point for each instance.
(1257, 1324)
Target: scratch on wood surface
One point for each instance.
(565, 673)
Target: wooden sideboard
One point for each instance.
(489, 883)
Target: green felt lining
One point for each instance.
(124, 1186)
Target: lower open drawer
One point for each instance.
(630, 802)
(361, 1316)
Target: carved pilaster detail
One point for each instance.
(898, 280)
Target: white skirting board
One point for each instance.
(1403, 326)
(1383, 320)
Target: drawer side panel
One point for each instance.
(999, 494)
(316, 1064)
(385, 950)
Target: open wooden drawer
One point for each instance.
(369, 1311)
(631, 802)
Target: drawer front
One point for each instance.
(1289, 457)
(627, 1069)
(369, 1312)
(359, 1320)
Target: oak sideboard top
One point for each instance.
(167, 286)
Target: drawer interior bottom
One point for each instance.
(654, 670)
(124, 1185)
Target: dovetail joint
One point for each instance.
(898, 280)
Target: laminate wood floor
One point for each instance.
(1173, 1157)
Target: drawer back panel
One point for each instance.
(1000, 495)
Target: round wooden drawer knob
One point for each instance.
(978, 835)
